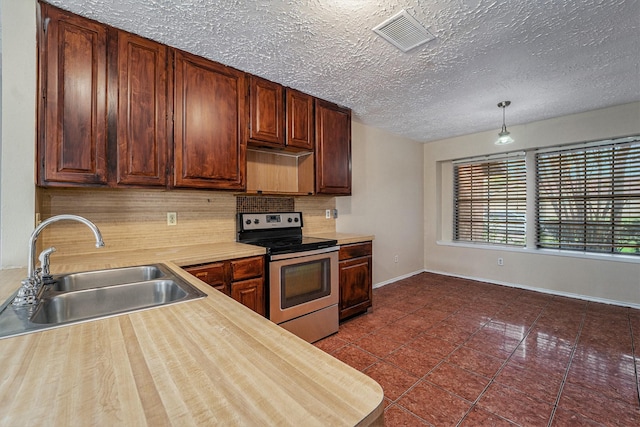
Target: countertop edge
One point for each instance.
(176, 258)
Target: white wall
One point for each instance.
(1, 132)
(17, 178)
(595, 277)
(387, 201)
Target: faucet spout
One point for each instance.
(31, 267)
(28, 293)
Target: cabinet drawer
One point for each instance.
(247, 268)
(211, 274)
(355, 250)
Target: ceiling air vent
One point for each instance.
(403, 31)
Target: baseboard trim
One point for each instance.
(395, 279)
(518, 286)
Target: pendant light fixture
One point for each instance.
(504, 137)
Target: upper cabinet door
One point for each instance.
(266, 112)
(72, 137)
(299, 120)
(142, 111)
(209, 123)
(333, 149)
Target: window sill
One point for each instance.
(553, 252)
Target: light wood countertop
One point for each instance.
(205, 362)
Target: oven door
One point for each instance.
(302, 283)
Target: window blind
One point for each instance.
(588, 198)
(490, 201)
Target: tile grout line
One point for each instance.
(443, 360)
(547, 307)
(382, 359)
(635, 356)
(404, 370)
(446, 358)
(495, 375)
(583, 314)
(422, 378)
(566, 372)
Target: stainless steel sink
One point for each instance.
(101, 278)
(81, 297)
(106, 301)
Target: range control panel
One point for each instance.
(269, 221)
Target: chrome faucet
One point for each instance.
(28, 292)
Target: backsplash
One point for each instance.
(312, 208)
(137, 218)
(264, 204)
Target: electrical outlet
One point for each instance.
(395, 258)
(500, 262)
(327, 214)
(335, 213)
(172, 218)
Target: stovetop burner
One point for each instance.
(279, 233)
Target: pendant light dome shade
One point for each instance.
(504, 137)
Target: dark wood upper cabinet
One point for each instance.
(209, 123)
(119, 110)
(279, 117)
(72, 137)
(333, 148)
(142, 142)
(266, 112)
(300, 129)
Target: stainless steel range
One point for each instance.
(302, 273)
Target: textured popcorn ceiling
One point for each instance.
(549, 57)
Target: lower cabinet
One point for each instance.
(212, 274)
(356, 284)
(242, 279)
(250, 293)
(246, 277)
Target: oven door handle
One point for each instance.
(304, 253)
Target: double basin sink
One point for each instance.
(77, 297)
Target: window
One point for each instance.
(490, 201)
(588, 197)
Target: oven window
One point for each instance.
(305, 282)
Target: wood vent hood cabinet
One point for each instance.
(155, 116)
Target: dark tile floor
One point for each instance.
(451, 351)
